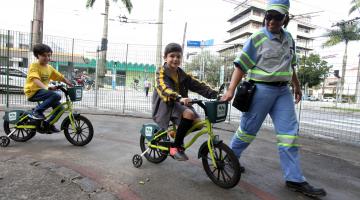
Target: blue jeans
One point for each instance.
(49, 99)
(278, 102)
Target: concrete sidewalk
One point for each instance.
(106, 164)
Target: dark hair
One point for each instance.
(40, 49)
(172, 47)
(286, 21)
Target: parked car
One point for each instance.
(313, 98)
(329, 99)
(17, 79)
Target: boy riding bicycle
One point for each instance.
(36, 87)
(170, 98)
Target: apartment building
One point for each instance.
(247, 18)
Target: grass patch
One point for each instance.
(343, 109)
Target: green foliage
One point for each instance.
(127, 3)
(355, 6)
(212, 66)
(345, 33)
(313, 70)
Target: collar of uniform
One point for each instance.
(179, 71)
(271, 36)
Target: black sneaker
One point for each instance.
(306, 188)
(53, 129)
(37, 116)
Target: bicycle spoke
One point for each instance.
(18, 133)
(150, 152)
(22, 133)
(220, 152)
(77, 137)
(222, 174)
(85, 128)
(213, 170)
(83, 135)
(82, 140)
(158, 153)
(82, 124)
(74, 136)
(227, 174)
(154, 154)
(218, 176)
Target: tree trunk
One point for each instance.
(104, 42)
(343, 70)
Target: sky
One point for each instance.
(206, 19)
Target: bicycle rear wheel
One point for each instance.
(153, 155)
(20, 135)
(226, 173)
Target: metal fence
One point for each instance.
(128, 66)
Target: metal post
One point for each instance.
(96, 77)
(7, 67)
(159, 33)
(357, 89)
(126, 62)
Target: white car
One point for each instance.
(329, 99)
(17, 79)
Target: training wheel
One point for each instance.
(4, 141)
(137, 160)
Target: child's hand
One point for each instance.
(68, 83)
(185, 101)
(52, 88)
(227, 96)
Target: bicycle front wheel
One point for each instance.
(226, 173)
(83, 132)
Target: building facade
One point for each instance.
(248, 17)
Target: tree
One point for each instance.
(355, 5)
(104, 40)
(211, 65)
(313, 71)
(346, 33)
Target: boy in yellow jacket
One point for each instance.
(36, 87)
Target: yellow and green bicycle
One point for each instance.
(219, 162)
(20, 127)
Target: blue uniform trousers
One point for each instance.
(278, 102)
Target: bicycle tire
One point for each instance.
(26, 134)
(227, 161)
(155, 155)
(70, 134)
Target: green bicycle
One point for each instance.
(78, 130)
(219, 162)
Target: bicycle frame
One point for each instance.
(205, 128)
(68, 107)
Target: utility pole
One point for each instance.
(37, 23)
(357, 92)
(159, 33)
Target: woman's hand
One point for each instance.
(298, 94)
(185, 101)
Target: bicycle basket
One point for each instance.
(75, 93)
(216, 111)
(13, 116)
(148, 130)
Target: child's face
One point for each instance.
(173, 59)
(44, 58)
